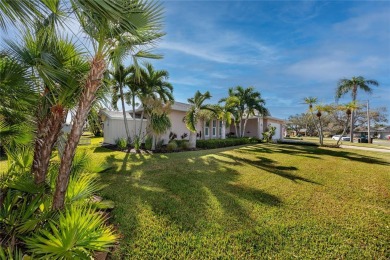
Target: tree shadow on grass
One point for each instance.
(270, 166)
(192, 193)
(314, 152)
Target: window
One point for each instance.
(206, 129)
(220, 128)
(214, 127)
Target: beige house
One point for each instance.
(113, 125)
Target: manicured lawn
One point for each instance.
(380, 144)
(259, 201)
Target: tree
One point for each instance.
(352, 85)
(115, 28)
(248, 102)
(120, 79)
(192, 115)
(155, 86)
(348, 108)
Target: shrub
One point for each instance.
(218, 143)
(172, 146)
(121, 143)
(148, 143)
(185, 145)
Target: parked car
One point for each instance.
(344, 138)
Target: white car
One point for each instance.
(344, 138)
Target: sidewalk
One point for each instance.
(365, 148)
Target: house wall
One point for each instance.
(178, 126)
(278, 125)
(114, 128)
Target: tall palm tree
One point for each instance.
(192, 115)
(250, 101)
(348, 108)
(224, 114)
(312, 101)
(116, 28)
(352, 85)
(120, 79)
(155, 86)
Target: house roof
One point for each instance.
(178, 106)
(115, 114)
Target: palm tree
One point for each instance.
(348, 108)
(116, 28)
(55, 67)
(312, 101)
(352, 85)
(155, 86)
(121, 78)
(192, 115)
(250, 101)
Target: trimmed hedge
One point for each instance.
(219, 143)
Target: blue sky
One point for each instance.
(287, 50)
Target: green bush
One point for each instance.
(172, 146)
(121, 143)
(148, 143)
(185, 145)
(218, 143)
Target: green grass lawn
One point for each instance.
(380, 144)
(260, 201)
(249, 202)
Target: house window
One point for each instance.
(214, 127)
(220, 128)
(206, 129)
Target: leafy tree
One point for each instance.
(192, 115)
(352, 85)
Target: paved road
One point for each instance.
(365, 148)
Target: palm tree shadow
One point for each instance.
(270, 166)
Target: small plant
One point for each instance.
(267, 136)
(121, 143)
(172, 146)
(172, 136)
(77, 232)
(137, 143)
(183, 136)
(185, 145)
(148, 143)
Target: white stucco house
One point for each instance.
(114, 128)
(113, 125)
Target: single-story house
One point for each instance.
(113, 125)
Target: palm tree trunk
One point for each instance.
(153, 142)
(243, 128)
(92, 84)
(352, 126)
(49, 129)
(344, 130)
(192, 140)
(320, 133)
(236, 129)
(124, 113)
(223, 130)
(135, 122)
(140, 127)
